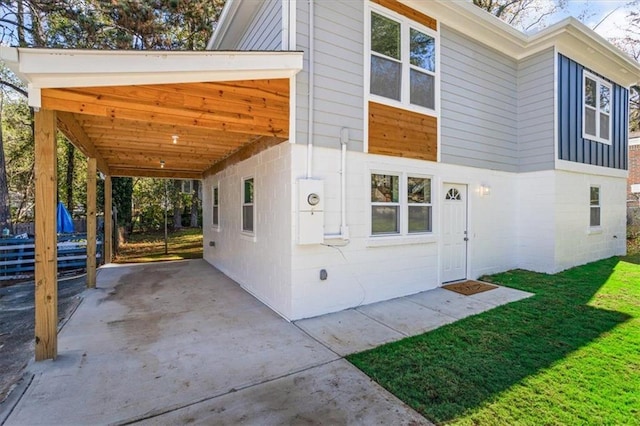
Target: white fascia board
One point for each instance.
(44, 68)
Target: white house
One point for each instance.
(429, 142)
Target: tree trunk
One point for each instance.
(70, 172)
(195, 202)
(5, 209)
(177, 208)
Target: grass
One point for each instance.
(568, 355)
(185, 243)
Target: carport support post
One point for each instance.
(91, 222)
(46, 240)
(108, 220)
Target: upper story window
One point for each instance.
(597, 97)
(403, 60)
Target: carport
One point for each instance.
(178, 115)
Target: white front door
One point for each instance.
(454, 232)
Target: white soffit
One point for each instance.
(50, 68)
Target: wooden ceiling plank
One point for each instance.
(72, 130)
(215, 102)
(275, 126)
(85, 100)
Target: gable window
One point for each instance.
(400, 204)
(594, 220)
(402, 61)
(215, 207)
(596, 122)
(247, 205)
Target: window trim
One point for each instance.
(599, 83)
(405, 60)
(403, 207)
(598, 207)
(215, 204)
(252, 232)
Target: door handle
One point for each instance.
(466, 239)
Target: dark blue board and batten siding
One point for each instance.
(571, 145)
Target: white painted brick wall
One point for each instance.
(536, 221)
(553, 229)
(360, 274)
(263, 266)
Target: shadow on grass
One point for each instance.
(446, 372)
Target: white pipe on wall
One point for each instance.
(310, 91)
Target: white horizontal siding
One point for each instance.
(338, 71)
(265, 29)
(478, 104)
(535, 112)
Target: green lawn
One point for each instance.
(568, 355)
(185, 243)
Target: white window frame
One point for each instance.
(598, 207)
(599, 83)
(252, 205)
(405, 91)
(403, 204)
(215, 207)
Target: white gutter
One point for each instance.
(223, 25)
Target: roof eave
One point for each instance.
(51, 68)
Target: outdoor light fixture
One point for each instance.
(162, 164)
(175, 139)
(485, 190)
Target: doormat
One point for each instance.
(469, 287)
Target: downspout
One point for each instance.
(344, 139)
(310, 91)
(344, 229)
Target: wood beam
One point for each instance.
(91, 222)
(108, 220)
(46, 241)
(156, 173)
(243, 153)
(73, 131)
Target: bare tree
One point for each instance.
(522, 14)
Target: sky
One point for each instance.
(595, 10)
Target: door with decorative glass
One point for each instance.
(454, 232)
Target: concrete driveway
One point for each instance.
(179, 342)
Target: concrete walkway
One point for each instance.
(180, 342)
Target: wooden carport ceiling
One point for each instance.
(129, 129)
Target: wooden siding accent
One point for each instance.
(401, 133)
(243, 153)
(46, 249)
(409, 12)
(571, 145)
